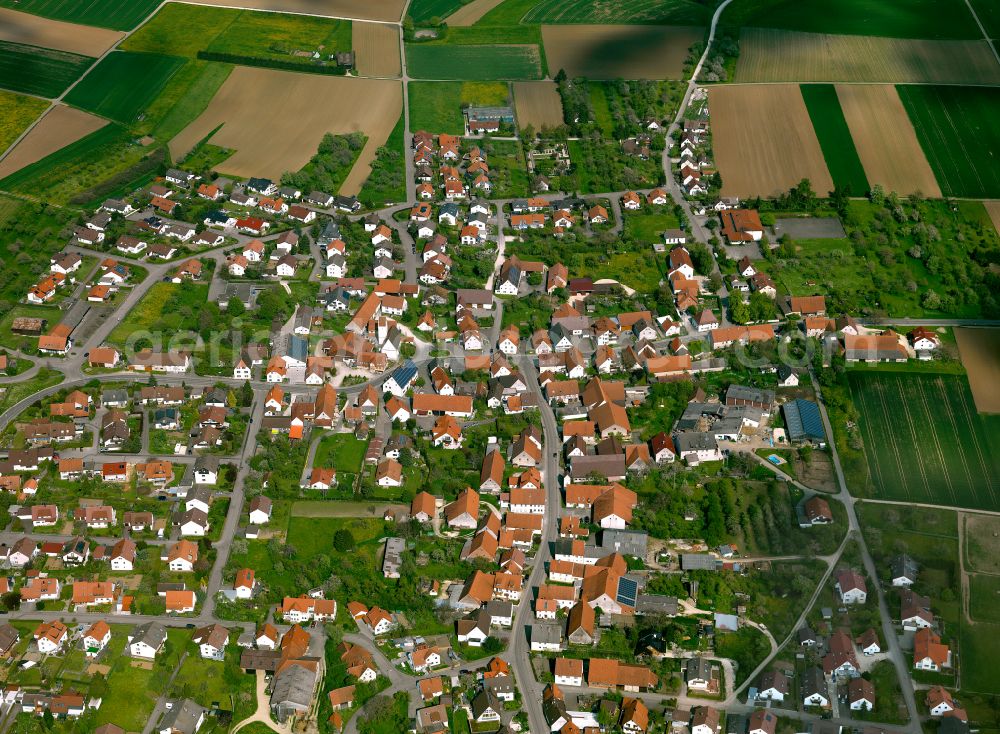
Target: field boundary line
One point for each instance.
(949, 413)
(913, 435)
(982, 28)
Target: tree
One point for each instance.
(235, 307)
(491, 645)
(343, 540)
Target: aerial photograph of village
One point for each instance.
(499, 366)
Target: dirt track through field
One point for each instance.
(61, 126)
(768, 55)
(471, 13)
(764, 140)
(980, 353)
(37, 31)
(538, 104)
(885, 139)
(276, 119)
(384, 10)
(619, 51)
(376, 47)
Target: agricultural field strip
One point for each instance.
(975, 441)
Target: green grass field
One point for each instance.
(988, 13)
(341, 451)
(933, 19)
(437, 106)
(385, 183)
(423, 10)
(984, 593)
(648, 228)
(959, 130)
(314, 535)
(835, 138)
(116, 14)
(16, 113)
(161, 310)
(124, 84)
(473, 62)
(185, 96)
(36, 70)
(924, 441)
(675, 12)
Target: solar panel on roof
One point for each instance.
(628, 591)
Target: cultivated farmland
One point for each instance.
(41, 71)
(123, 84)
(70, 37)
(758, 152)
(959, 129)
(677, 12)
(885, 139)
(61, 126)
(538, 104)
(423, 10)
(768, 55)
(115, 14)
(942, 19)
(16, 113)
(475, 62)
(834, 137)
(471, 12)
(924, 440)
(619, 51)
(383, 10)
(276, 119)
(376, 46)
(980, 352)
(982, 543)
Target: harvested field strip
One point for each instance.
(758, 152)
(959, 130)
(423, 10)
(768, 55)
(498, 61)
(538, 104)
(16, 113)
(471, 12)
(275, 119)
(40, 71)
(619, 51)
(123, 84)
(885, 139)
(376, 47)
(116, 14)
(980, 353)
(61, 126)
(835, 137)
(924, 442)
(70, 37)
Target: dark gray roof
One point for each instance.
(152, 633)
(183, 717)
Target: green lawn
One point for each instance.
(115, 14)
(312, 536)
(124, 84)
(473, 62)
(835, 138)
(938, 19)
(980, 646)
(277, 35)
(9, 339)
(959, 130)
(649, 228)
(924, 440)
(437, 106)
(35, 70)
(165, 307)
(186, 96)
(342, 451)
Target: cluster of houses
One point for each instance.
(557, 216)
(460, 169)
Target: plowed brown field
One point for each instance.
(885, 139)
(276, 119)
(764, 140)
(980, 353)
(58, 128)
(376, 46)
(37, 31)
(538, 104)
(619, 51)
(768, 55)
